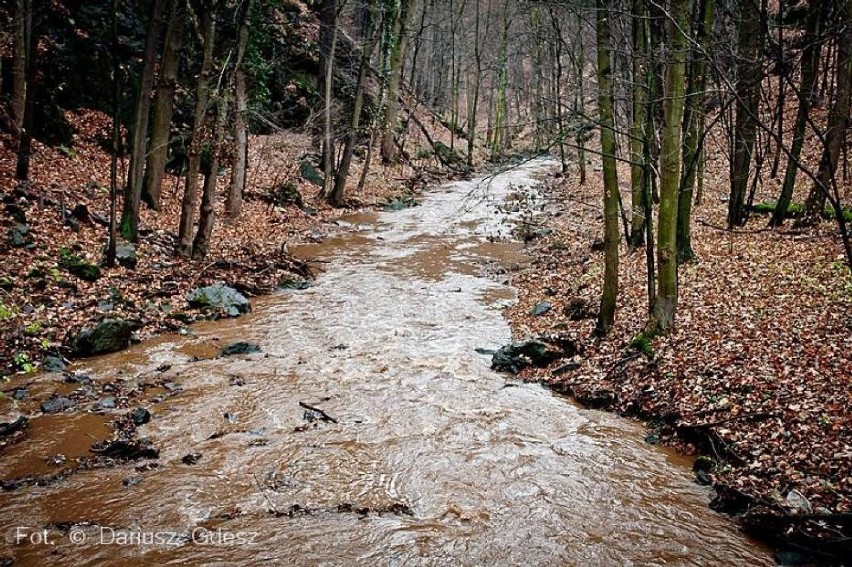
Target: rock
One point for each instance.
(125, 254)
(74, 378)
(78, 267)
(110, 335)
(81, 213)
(600, 398)
(52, 364)
(19, 236)
(107, 403)
(105, 305)
(131, 481)
(398, 204)
(72, 223)
(295, 284)
(191, 458)
(239, 348)
(597, 245)
(17, 213)
(126, 450)
(10, 426)
(797, 501)
(518, 355)
(19, 393)
(57, 404)
(219, 296)
(140, 416)
(577, 309)
(541, 308)
(310, 173)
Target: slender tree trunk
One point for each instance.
(693, 124)
(207, 216)
(557, 30)
(328, 45)
(129, 226)
(20, 45)
(116, 132)
(782, 90)
(748, 94)
(473, 97)
(807, 92)
(238, 172)
(397, 58)
(370, 38)
(189, 205)
(837, 126)
(637, 130)
(606, 316)
(161, 119)
(665, 306)
(24, 93)
(580, 100)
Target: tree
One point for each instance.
(806, 93)
(665, 305)
(400, 36)
(749, 32)
(328, 44)
(189, 204)
(207, 214)
(238, 173)
(24, 76)
(606, 315)
(368, 44)
(129, 226)
(693, 124)
(838, 122)
(637, 130)
(161, 116)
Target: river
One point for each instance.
(432, 459)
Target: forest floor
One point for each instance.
(41, 302)
(757, 375)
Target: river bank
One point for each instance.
(755, 380)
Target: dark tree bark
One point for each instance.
(189, 205)
(161, 118)
(129, 226)
(207, 216)
(748, 93)
(606, 316)
(806, 92)
(693, 124)
(370, 39)
(238, 173)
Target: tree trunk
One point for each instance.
(748, 94)
(328, 42)
(473, 98)
(22, 25)
(129, 226)
(670, 164)
(238, 172)
(606, 316)
(637, 131)
(693, 123)
(336, 197)
(189, 204)
(207, 216)
(838, 123)
(806, 93)
(116, 133)
(161, 119)
(29, 52)
(400, 34)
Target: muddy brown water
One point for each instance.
(433, 459)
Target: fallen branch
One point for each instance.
(324, 415)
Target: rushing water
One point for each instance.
(434, 458)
